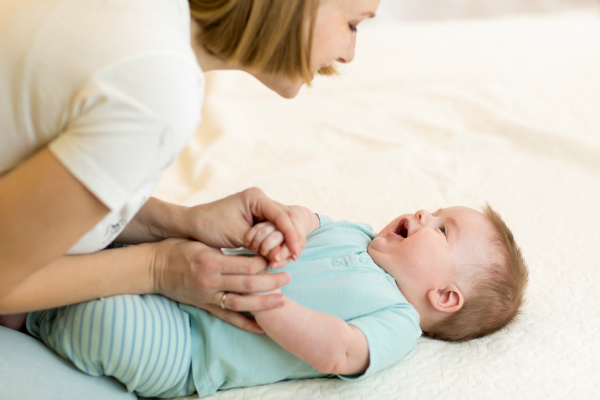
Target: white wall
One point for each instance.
(394, 10)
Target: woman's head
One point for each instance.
(281, 42)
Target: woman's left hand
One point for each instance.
(193, 273)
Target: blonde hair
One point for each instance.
(267, 36)
(497, 296)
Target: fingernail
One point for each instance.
(278, 301)
(288, 278)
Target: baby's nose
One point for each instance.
(423, 216)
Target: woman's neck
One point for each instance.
(207, 61)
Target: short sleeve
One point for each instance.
(323, 221)
(129, 122)
(391, 334)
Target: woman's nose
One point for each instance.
(348, 55)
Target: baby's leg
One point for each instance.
(143, 341)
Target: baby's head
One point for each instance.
(459, 268)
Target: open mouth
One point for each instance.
(402, 228)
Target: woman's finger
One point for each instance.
(296, 247)
(234, 318)
(238, 302)
(242, 265)
(290, 227)
(254, 283)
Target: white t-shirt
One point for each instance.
(111, 86)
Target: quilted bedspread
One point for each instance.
(434, 114)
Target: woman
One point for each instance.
(97, 99)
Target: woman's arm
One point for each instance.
(77, 278)
(221, 223)
(155, 221)
(324, 341)
(44, 210)
(187, 271)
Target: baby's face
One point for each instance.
(424, 251)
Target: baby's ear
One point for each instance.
(449, 299)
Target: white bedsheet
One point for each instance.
(430, 115)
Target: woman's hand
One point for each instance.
(194, 273)
(222, 223)
(225, 222)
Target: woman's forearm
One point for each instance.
(44, 210)
(324, 341)
(155, 221)
(73, 279)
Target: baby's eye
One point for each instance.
(442, 229)
(353, 28)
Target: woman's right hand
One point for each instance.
(225, 222)
(193, 273)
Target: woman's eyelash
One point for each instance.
(353, 28)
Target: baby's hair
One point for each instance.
(267, 36)
(497, 295)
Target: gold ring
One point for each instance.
(223, 300)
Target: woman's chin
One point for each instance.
(287, 89)
(289, 92)
(282, 86)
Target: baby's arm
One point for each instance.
(327, 343)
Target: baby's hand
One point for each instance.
(264, 239)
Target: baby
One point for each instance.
(356, 304)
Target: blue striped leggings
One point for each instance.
(143, 341)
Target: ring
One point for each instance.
(223, 300)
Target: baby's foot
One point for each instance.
(14, 321)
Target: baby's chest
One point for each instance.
(346, 286)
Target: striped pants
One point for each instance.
(143, 341)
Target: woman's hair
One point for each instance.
(267, 36)
(497, 295)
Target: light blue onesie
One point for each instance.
(335, 275)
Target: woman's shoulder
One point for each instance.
(89, 35)
(133, 54)
(116, 66)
